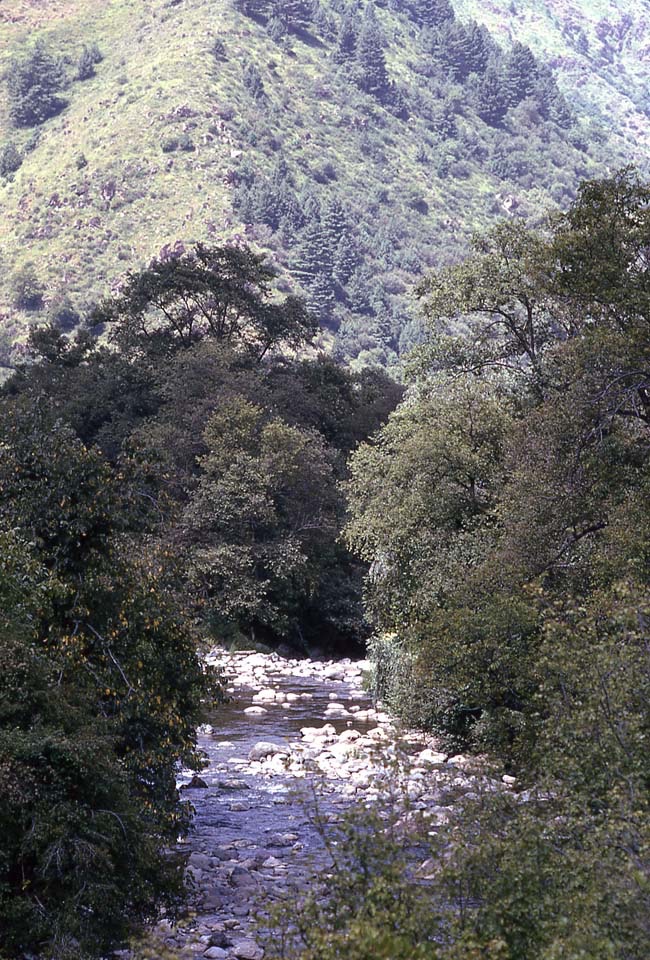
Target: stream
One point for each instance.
(291, 729)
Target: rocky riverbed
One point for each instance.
(293, 730)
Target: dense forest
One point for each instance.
(386, 391)
(171, 475)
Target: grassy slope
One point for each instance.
(157, 70)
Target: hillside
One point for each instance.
(201, 122)
(599, 51)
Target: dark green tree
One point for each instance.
(335, 225)
(91, 760)
(253, 82)
(35, 83)
(218, 293)
(346, 259)
(346, 41)
(492, 98)
(370, 58)
(520, 73)
(431, 13)
(10, 160)
(90, 57)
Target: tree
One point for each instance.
(370, 59)
(346, 41)
(492, 99)
(221, 293)
(313, 266)
(431, 13)
(346, 259)
(520, 73)
(335, 225)
(296, 14)
(262, 512)
(10, 160)
(34, 84)
(111, 688)
(253, 81)
(90, 57)
(27, 290)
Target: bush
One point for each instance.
(27, 290)
(10, 160)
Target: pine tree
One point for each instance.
(370, 57)
(335, 225)
(346, 42)
(454, 49)
(253, 8)
(521, 73)
(253, 81)
(492, 97)
(34, 85)
(431, 13)
(313, 256)
(346, 259)
(314, 268)
(479, 47)
(553, 104)
(295, 14)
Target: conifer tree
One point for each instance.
(454, 49)
(431, 13)
(492, 97)
(314, 268)
(552, 102)
(253, 8)
(370, 57)
(314, 256)
(479, 47)
(346, 42)
(253, 81)
(335, 225)
(346, 259)
(521, 73)
(34, 86)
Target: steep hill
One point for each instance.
(599, 51)
(356, 143)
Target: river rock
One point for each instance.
(196, 783)
(247, 950)
(215, 953)
(233, 785)
(265, 749)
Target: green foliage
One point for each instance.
(558, 465)
(100, 697)
(369, 56)
(34, 85)
(89, 58)
(222, 293)
(26, 288)
(10, 160)
(260, 518)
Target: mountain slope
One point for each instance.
(268, 138)
(600, 52)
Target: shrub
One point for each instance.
(27, 290)
(10, 160)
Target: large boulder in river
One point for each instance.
(265, 749)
